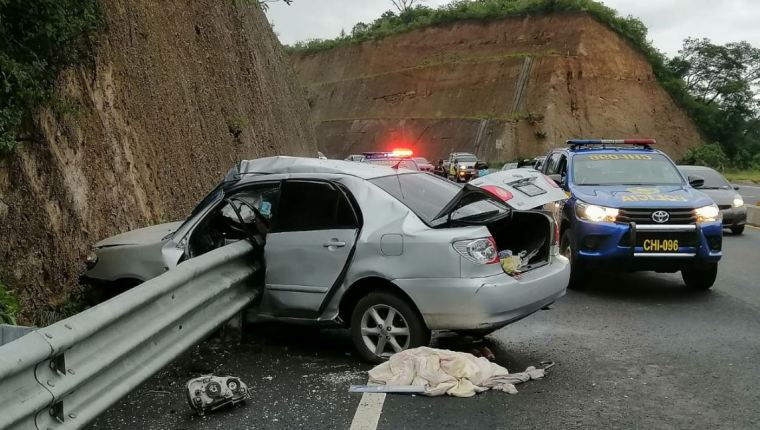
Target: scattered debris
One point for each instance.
(458, 374)
(209, 393)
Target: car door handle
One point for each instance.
(334, 243)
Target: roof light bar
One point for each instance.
(612, 142)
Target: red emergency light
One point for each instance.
(402, 152)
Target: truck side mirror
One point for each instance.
(556, 177)
(696, 181)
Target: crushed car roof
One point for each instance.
(284, 165)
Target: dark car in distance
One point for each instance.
(724, 195)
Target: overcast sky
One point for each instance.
(669, 21)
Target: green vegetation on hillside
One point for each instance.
(8, 306)
(38, 39)
(713, 84)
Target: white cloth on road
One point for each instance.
(441, 371)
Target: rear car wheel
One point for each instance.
(383, 324)
(737, 230)
(701, 278)
(566, 249)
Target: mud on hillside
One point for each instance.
(503, 89)
(176, 93)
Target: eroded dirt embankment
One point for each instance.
(176, 93)
(504, 89)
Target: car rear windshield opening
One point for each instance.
(426, 195)
(624, 169)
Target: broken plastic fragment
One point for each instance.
(209, 393)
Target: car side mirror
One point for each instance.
(696, 181)
(736, 187)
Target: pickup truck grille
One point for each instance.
(644, 216)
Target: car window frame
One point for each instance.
(344, 192)
(184, 240)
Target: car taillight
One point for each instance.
(481, 251)
(555, 240)
(498, 192)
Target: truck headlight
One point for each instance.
(595, 213)
(738, 201)
(707, 213)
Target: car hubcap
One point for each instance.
(384, 330)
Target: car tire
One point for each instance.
(577, 280)
(737, 230)
(366, 329)
(701, 278)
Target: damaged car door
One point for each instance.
(308, 248)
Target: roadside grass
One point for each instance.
(9, 306)
(750, 175)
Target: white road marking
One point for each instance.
(368, 413)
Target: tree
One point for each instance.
(405, 5)
(265, 3)
(725, 81)
(727, 75)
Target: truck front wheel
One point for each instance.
(701, 278)
(566, 249)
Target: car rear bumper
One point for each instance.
(486, 303)
(612, 245)
(734, 217)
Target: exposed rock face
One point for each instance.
(504, 89)
(177, 92)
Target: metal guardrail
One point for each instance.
(64, 375)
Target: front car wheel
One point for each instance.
(701, 278)
(383, 324)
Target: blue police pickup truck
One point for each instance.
(629, 208)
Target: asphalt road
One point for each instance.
(632, 351)
(750, 193)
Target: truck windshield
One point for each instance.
(624, 169)
(466, 159)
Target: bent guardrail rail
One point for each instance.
(64, 375)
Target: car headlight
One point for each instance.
(462, 166)
(595, 213)
(91, 260)
(707, 213)
(738, 201)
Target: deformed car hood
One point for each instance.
(626, 196)
(141, 236)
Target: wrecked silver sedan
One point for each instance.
(391, 254)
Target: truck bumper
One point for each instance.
(618, 245)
